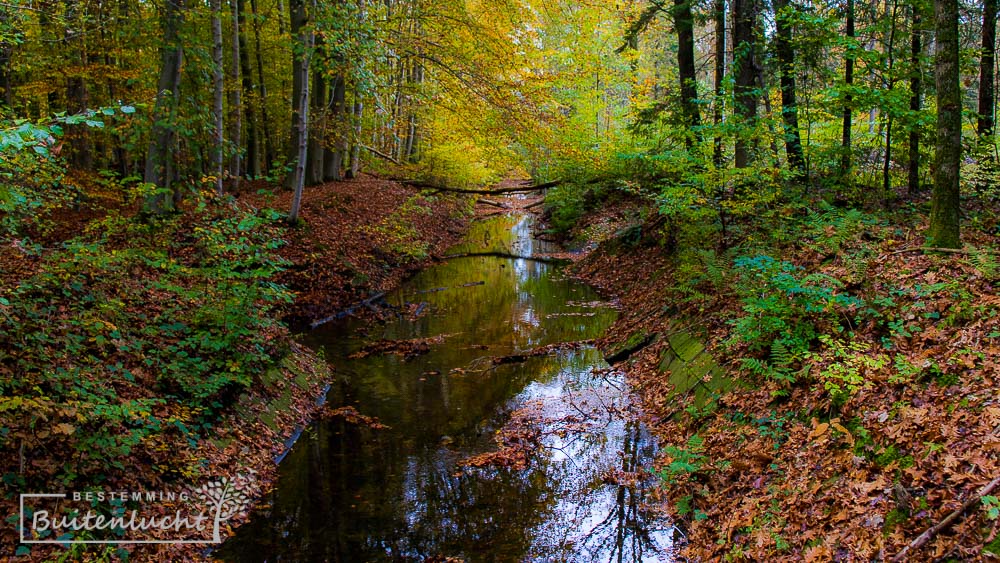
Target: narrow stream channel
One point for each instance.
(347, 492)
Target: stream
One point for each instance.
(354, 492)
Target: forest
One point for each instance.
(520, 280)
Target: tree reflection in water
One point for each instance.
(349, 493)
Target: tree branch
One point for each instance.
(935, 529)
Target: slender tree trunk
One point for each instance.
(745, 94)
(845, 145)
(987, 103)
(236, 102)
(887, 161)
(786, 63)
(265, 121)
(684, 25)
(720, 74)
(916, 91)
(300, 78)
(306, 39)
(159, 157)
(251, 164)
(945, 203)
(355, 165)
(218, 86)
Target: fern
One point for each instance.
(986, 264)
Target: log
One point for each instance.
(495, 191)
(543, 259)
(494, 203)
(948, 520)
(381, 154)
(627, 352)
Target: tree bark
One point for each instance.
(684, 25)
(944, 224)
(887, 161)
(916, 91)
(218, 89)
(159, 169)
(786, 63)
(265, 121)
(987, 60)
(845, 144)
(333, 155)
(306, 39)
(236, 102)
(300, 78)
(720, 74)
(251, 164)
(745, 62)
(319, 131)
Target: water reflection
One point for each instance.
(348, 493)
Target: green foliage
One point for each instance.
(685, 460)
(32, 178)
(785, 312)
(991, 505)
(131, 317)
(846, 375)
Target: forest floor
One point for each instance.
(888, 425)
(357, 238)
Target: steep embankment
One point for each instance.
(887, 425)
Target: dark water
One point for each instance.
(350, 493)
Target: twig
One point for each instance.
(935, 529)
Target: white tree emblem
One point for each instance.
(226, 498)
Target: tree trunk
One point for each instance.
(300, 78)
(845, 145)
(684, 25)
(916, 91)
(301, 141)
(745, 88)
(986, 68)
(265, 121)
(159, 157)
(333, 155)
(720, 74)
(251, 165)
(786, 64)
(355, 165)
(218, 86)
(887, 161)
(944, 225)
(236, 103)
(319, 131)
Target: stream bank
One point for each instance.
(885, 429)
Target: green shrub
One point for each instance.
(785, 312)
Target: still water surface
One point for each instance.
(350, 493)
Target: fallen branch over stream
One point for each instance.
(495, 191)
(540, 351)
(545, 259)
